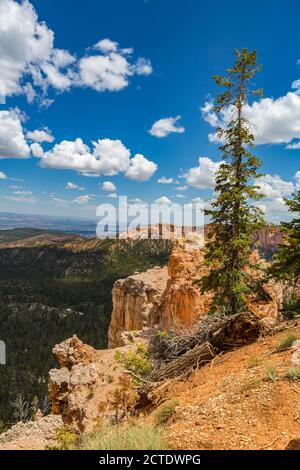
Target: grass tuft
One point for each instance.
(286, 342)
(293, 373)
(272, 374)
(135, 437)
(167, 413)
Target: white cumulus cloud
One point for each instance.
(107, 157)
(272, 121)
(203, 175)
(166, 126)
(71, 185)
(106, 45)
(164, 180)
(40, 135)
(109, 186)
(112, 69)
(272, 187)
(37, 150)
(140, 169)
(12, 139)
(29, 60)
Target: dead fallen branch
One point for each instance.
(184, 364)
(223, 333)
(140, 379)
(236, 331)
(177, 355)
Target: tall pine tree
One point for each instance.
(233, 217)
(286, 264)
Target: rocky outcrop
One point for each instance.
(182, 303)
(82, 389)
(135, 302)
(72, 352)
(33, 435)
(172, 298)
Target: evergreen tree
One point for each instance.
(287, 260)
(233, 217)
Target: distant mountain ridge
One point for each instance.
(265, 240)
(27, 236)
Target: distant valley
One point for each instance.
(52, 290)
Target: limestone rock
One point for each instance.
(182, 302)
(135, 302)
(82, 392)
(73, 351)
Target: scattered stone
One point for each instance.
(32, 435)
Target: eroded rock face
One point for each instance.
(73, 351)
(182, 302)
(135, 302)
(171, 298)
(82, 389)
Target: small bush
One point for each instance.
(137, 362)
(293, 373)
(291, 306)
(286, 342)
(167, 413)
(136, 437)
(124, 398)
(253, 361)
(272, 374)
(66, 439)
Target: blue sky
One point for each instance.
(109, 71)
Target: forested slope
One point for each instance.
(51, 292)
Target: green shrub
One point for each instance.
(286, 342)
(272, 374)
(66, 439)
(293, 373)
(291, 306)
(137, 361)
(167, 413)
(136, 437)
